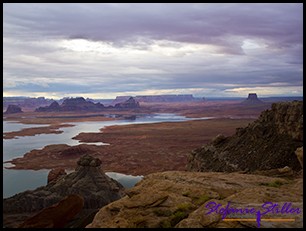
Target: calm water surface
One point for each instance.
(15, 181)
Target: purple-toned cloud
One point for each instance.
(116, 48)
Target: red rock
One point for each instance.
(56, 173)
(56, 216)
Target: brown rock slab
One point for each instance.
(179, 199)
(56, 216)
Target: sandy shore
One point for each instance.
(37, 130)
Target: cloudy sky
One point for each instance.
(103, 50)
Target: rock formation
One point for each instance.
(158, 98)
(80, 105)
(88, 181)
(178, 199)
(252, 100)
(55, 174)
(26, 102)
(267, 143)
(54, 106)
(130, 103)
(56, 216)
(13, 109)
(299, 155)
(72, 104)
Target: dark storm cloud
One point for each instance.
(250, 45)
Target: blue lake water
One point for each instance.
(15, 181)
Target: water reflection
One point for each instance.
(15, 181)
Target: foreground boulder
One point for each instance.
(56, 216)
(88, 181)
(179, 199)
(269, 142)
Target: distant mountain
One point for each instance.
(159, 98)
(130, 103)
(13, 109)
(252, 100)
(79, 104)
(26, 102)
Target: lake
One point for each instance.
(15, 181)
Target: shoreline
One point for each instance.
(136, 149)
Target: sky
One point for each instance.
(103, 50)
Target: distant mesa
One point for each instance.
(13, 109)
(252, 100)
(80, 104)
(130, 103)
(159, 98)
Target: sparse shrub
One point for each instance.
(177, 217)
(275, 184)
(165, 224)
(162, 212)
(184, 207)
(186, 194)
(201, 199)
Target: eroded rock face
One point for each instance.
(55, 174)
(299, 155)
(179, 199)
(56, 216)
(252, 100)
(267, 143)
(13, 109)
(130, 103)
(72, 104)
(88, 181)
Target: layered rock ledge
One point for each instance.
(178, 199)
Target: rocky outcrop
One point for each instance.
(252, 100)
(72, 104)
(299, 155)
(54, 106)
(88, 181)
(158, 98)
(13, 109)
(130, 103)
(267, 143)
(55, 174)
(56, 216)
(179, 199)
(79, 104)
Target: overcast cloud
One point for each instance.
(103, 50)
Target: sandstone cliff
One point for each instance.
(130, 103)
(179, 199)
(252, 100)
(269, 142)
(88, 181)
(13, 109)
(79, 104)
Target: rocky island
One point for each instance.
(88, 181)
